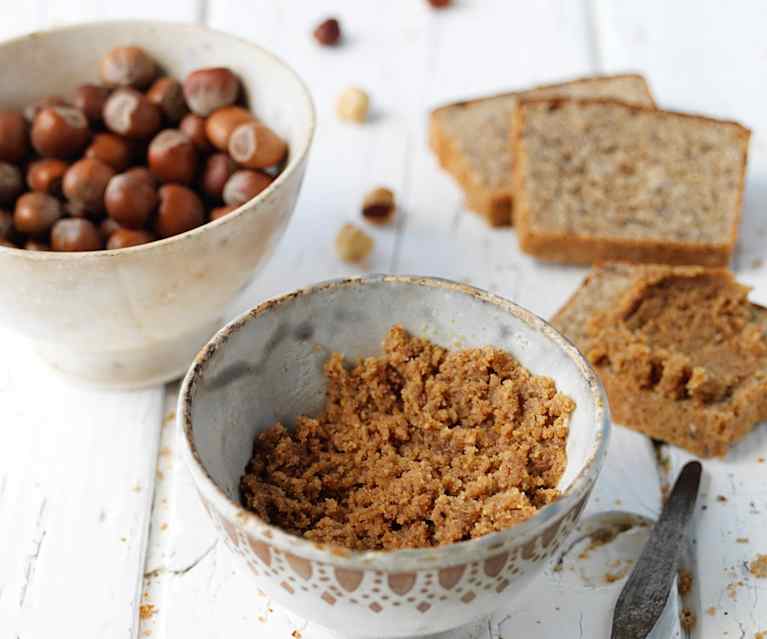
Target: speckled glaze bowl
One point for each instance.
(137, 316)
(268, 366)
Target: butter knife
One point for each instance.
(644, 596)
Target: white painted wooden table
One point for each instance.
(97, 516)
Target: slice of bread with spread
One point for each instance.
(680, 349)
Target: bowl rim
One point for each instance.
(410, 558)
(295, 161)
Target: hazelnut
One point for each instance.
(46, 176)
(180, 211)
(11, 183)
(107, 227)
(60, 132)
(131, 197)
(128, 67)
(218, 169)
(6, 225)
(439, 4)
(221, 211)
(353, 105)
(36, 245)
(31, 110)
(221, 123)
(36, 213)
(111, 149)
(206, 90)
(353, 244)
(85, 183)
(73, 234)
(379, 206)
(123, 238)
(256, 146)
(13, 137)
(245, 185)
(90, 99)
(131, 114)
(328, 32)
(168, 94)
(194, 126)
(173, 157)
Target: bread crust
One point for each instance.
(573, 249)
(495, 205)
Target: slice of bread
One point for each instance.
(680, 349)
(471, 138)
(603, 180)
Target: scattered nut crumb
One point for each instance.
(758, 567)
(687, 619)
(761, 634)
(295, 634)
(711, 611)
(165, 452)
(353, 244)
(145, 611)
(439, 4)
(721, 498)
(160, 475)
(684, 582)
(353, 105)
(169, 417)
(164, 525)
(732, 589)
(379, 206)
(741, 540)
(760, 460)
(328, 32)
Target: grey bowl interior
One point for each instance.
(267, 366)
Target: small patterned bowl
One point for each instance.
(267, 366)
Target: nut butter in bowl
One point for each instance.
(394, 455)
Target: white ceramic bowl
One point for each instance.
(137, 316)
(268, 366)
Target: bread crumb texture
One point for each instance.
(417, 447)
(681, 350)
(617, 172)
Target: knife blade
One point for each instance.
(644, 596)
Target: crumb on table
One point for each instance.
(758, 566)
(417, 447)
(145, 611)
(687, 619)
(684, 582)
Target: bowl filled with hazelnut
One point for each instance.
(147, 171)
(392, 456)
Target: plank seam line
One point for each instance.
(29, 571)
(596, 55)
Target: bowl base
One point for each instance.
(154, 364)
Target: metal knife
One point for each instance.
(644, 596)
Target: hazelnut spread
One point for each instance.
(418, 447)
